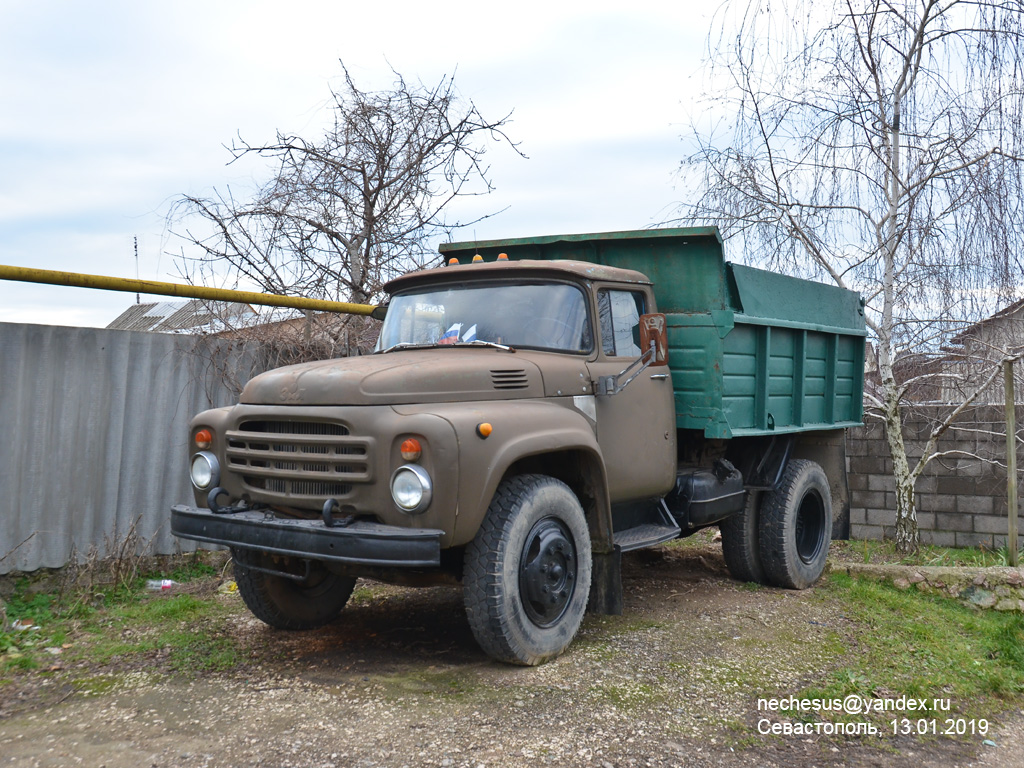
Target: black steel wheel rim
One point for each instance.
(547, 571)
(810, 527)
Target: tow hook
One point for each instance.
(330, 506)
(240, 506)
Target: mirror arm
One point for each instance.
(610, 385)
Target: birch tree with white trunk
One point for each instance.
(877, 144)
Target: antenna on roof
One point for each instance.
(138, 299)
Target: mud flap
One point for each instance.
(606, 583)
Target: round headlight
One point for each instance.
(411, 488)
(205, 470)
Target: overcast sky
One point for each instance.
(110, 110)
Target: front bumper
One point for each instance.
(361, 543)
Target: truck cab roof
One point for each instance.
(551, 269)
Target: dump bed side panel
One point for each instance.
(782, 379)
(794, 360)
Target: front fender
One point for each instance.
(520, 429)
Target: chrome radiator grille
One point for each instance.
(298, 459)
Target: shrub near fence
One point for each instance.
(961, 497)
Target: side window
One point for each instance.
(619, 313)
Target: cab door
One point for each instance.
(635, 427)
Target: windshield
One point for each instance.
(538, 315)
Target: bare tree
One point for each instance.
(878, 143)
(344, 212)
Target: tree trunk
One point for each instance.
(906, 513)
(907, 537)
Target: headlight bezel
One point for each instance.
(424, 488)
(212, 471)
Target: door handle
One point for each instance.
(659, 376)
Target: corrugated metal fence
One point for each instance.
(94, 425)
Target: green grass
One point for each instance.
(100, 625)
(23, 649)
(192, 651)
(160, 609)
(926, 555)
(31, 607)
(907, 643)
(191, 570)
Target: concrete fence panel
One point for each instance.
(94, 424)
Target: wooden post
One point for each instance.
(1011, 463)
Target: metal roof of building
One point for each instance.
(191, 316)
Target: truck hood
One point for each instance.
(439, 375)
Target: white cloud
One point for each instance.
(114, 108)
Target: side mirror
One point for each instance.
(654, 328)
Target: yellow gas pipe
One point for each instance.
(101, 282)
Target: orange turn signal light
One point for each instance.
(484, 429)
(203, 438)
(411, 449)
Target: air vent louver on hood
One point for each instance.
(510, 379)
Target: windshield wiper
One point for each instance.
(482, 343)
(417, 345)
(404, 345)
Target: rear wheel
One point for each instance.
(286, 603)
(796, 526)
(741, 543)
(527, 572)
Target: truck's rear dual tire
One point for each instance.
(741, 543)
(795, 526)
(285, 603)
(526, 579)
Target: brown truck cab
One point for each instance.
(514, 431)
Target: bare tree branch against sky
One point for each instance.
(343, 211)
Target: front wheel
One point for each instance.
(527, 572)
(796, 526)
(286, 603)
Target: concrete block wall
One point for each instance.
(961, 497)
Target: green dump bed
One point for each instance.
(751, 352)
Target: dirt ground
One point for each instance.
(399, 681)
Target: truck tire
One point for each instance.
(796, 526)
(741, 541)
(527, 573)
(285, 603)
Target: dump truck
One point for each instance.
(534, 408)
